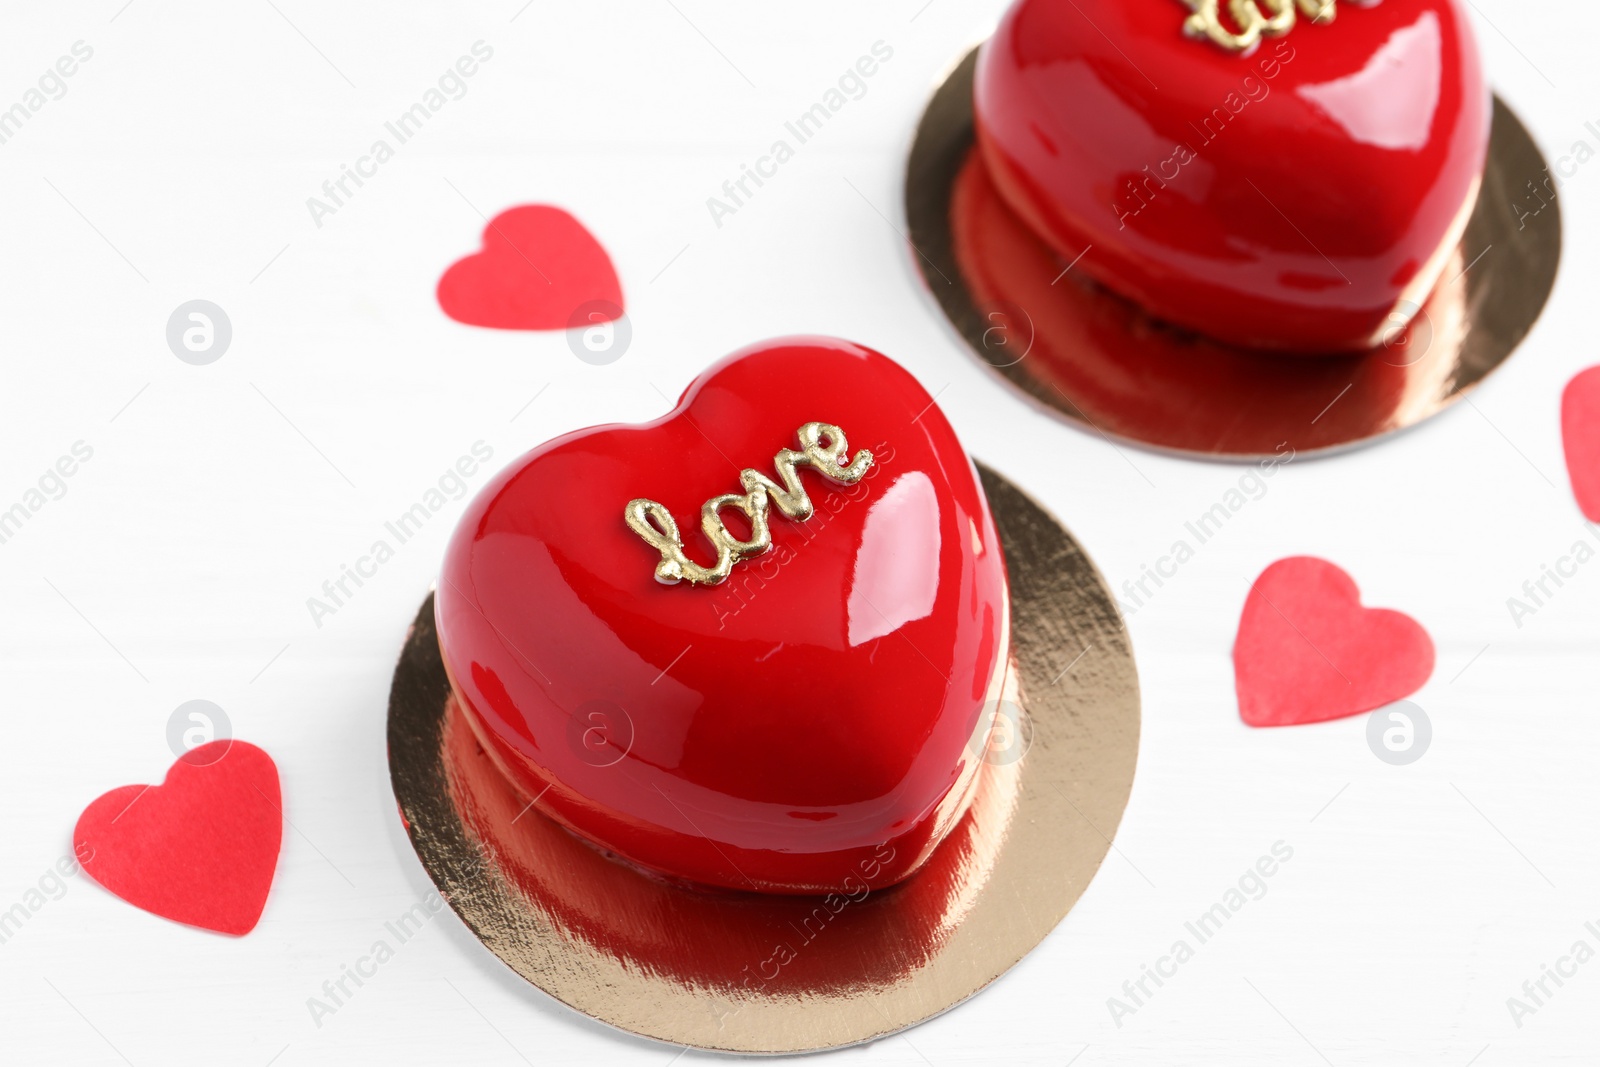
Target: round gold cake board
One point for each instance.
(1098, 362)
(749, 973)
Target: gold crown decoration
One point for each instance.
(1255, 19)
(822, 447)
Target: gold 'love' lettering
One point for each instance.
(1253, 19)
(823, 448)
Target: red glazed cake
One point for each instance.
(1278, 174)
(756, 644)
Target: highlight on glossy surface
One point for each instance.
(1099, 362)
(1304, 196)
(763, 973)
(808, 725)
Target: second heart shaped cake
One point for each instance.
(1298, 192)
(755, 644)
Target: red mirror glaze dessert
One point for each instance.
(1295, 187)
(755, 644)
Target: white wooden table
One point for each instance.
(176, 164)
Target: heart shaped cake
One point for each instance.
(756, 644)
(1266, 181)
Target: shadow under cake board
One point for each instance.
(699, 968)
(1100, 363)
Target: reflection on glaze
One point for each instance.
(1391, 102)
(896, 577)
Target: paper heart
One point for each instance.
(537, 267)
(1307, 651)
(807, 722)
(1580, 438)
(1302, 196)
(200, 848)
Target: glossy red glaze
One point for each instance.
(808, 725)
(1302, 197)
(1131, 377)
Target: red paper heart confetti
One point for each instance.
(537, 267)
(1307, 651)
(200, 848)
(1580, 436)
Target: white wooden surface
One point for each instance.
(219, 498)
